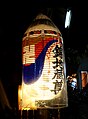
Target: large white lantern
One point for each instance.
(43, 66)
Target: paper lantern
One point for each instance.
(43, 66)
(84, 78)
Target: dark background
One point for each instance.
(14, 21)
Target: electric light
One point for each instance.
(68, 18)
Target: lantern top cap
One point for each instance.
(42, 16)
(42, 21)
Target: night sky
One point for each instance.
(15, 21)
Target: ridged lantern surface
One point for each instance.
(43, 66)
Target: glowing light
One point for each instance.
(68, 19)
(43, 73)
(20, 97)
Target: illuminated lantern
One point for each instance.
(43, 66)
(84, 78)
